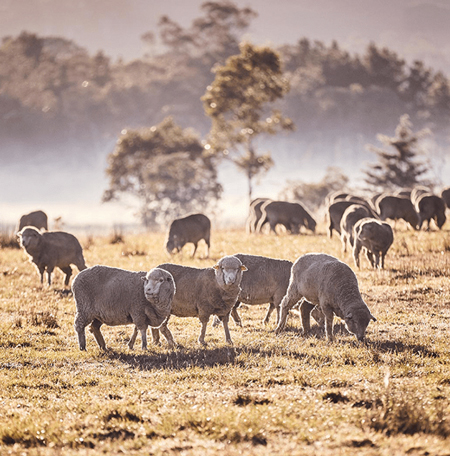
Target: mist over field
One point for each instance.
(102, 67)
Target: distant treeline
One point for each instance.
(54, 95)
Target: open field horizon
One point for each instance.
(265, 394)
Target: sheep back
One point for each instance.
(397, 207)
(37, 219)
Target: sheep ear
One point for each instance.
(372, 317)
(244, 268)
(143, 278)
(216, 267)
(349, 316)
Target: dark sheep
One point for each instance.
(37, 219)
(395, 208)
(445, 195)
(431, 207)
(350, 216)
(192, 228)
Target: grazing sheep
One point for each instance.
(205, 292)
(192, 228)
(417, 192)
(431, 207)
(52, 249)
(330, 284)
(445, 195)
(395, 207)
(336, 211)
(291, 215)
(113, 296)
(350, 216)
(37, 219)
(254, 215)
(375, 238)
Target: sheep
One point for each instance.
(113, 296)
(192, 228)
(375, 238)
(37, 219)
(52, 249)
(291, 215)
(431, 207)
(202, 292)
(332, 286)
(395, 207)
(350, 216)
(445, 195)
(255, 215)
(335, 212)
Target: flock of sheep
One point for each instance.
(319, 284)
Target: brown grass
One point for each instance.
(266, 394)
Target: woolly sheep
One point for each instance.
(431, 207)
(350, 216)
(291, 215)
(114, 296)
(327, 282)
(52, 249)
(375, 238)
(202, 292)
(192, 228)
(265, 281)
(37, 219)
(396, 207)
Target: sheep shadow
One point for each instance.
(390, 346)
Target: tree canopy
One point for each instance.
(239, 103)
(166, 168)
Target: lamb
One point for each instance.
(330, 284)
(431, 207)
(192, 228)
(350, 216)
(37, 219)
(113, 296)
(52, 249)
(395, 207)
(202, 292)
(375, 238)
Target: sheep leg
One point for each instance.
(143, 331)
(329, 324)
(269, 313)
(289, 301)
(155, 336)
(41, 272)
(49, 274)
(195, 249)
(68, 271)
(383, 254)
(166, 333)
(317, 314)
(370, 257)
(94, 328)
(305, 311)
(133, 338)
(235, 315)
(80, 325)
(356, 252)
(225, 319)
(204, 321)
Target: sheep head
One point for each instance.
(29, 238)
(159, 289)
(357, 320)
(229, 271)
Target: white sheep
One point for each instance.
(52, 249)
(114, 296)
(375, 238)
(327, 282)
(202, 292)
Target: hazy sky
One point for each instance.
(416, 29)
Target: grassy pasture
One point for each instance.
(266, 394)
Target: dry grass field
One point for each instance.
(266, 394)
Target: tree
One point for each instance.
(166, 168)
(238, 103)
(399, 168)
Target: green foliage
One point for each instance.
(238, 102)
(313, 194)
(166, 168)
(399, 168)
